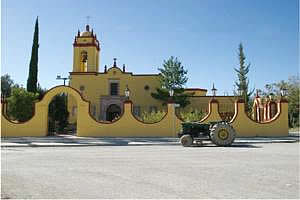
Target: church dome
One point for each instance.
(86, 33)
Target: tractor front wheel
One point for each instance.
(186, 140)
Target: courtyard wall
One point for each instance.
(129, 126)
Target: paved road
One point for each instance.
(245, 171)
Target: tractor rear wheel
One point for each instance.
(186, 140)
(222, 134)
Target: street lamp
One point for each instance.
(127, 92)
(240, 91)
(257, 93)
(271, 96)
(214, 90)
(58, 77)
(283, 91)
(171, 92)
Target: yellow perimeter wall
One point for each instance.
(129, 126)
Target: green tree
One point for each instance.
(173, 76)
(243, 83)
(293, 94)
(41, 91)
(33, 66)
(58, 112)
(6, 85)
(20, 104)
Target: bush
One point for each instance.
(152, 117)
(20, 104)
(192, 115)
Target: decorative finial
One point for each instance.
(105, 68)
(257, 93)
(123, 67)
(115, 62)
(78, 34)
(214, 90)
(92, 32)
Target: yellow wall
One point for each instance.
(97, 85)
(244, 126)
(128, 126)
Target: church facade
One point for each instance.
(105, 88)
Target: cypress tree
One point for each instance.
(243, 82)
(33, 66)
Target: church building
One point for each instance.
(105, 87)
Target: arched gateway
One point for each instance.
(38, 124)
(113, 112)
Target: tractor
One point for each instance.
(221, 133)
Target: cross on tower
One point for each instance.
(87, 27)
(115, 62)
(88, 19)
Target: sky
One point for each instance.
(203, 34)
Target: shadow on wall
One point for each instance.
(129, 126)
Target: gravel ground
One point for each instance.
(241, 171)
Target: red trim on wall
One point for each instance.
(86, 45)
(85, 36)
(283, 100)
(128, 101)
(240, 101)
(212, 96)
(83, 73)
(265, 122)
(214, 101)
(97, 73)
(193, 89)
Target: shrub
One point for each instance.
(192, 115)
(152, 117)
(20, 104)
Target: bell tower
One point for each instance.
(86, 50)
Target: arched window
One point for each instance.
(83, 61)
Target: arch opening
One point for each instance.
(62, 115)
(113, 112)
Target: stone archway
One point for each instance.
(106, 101)
(113, 111)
